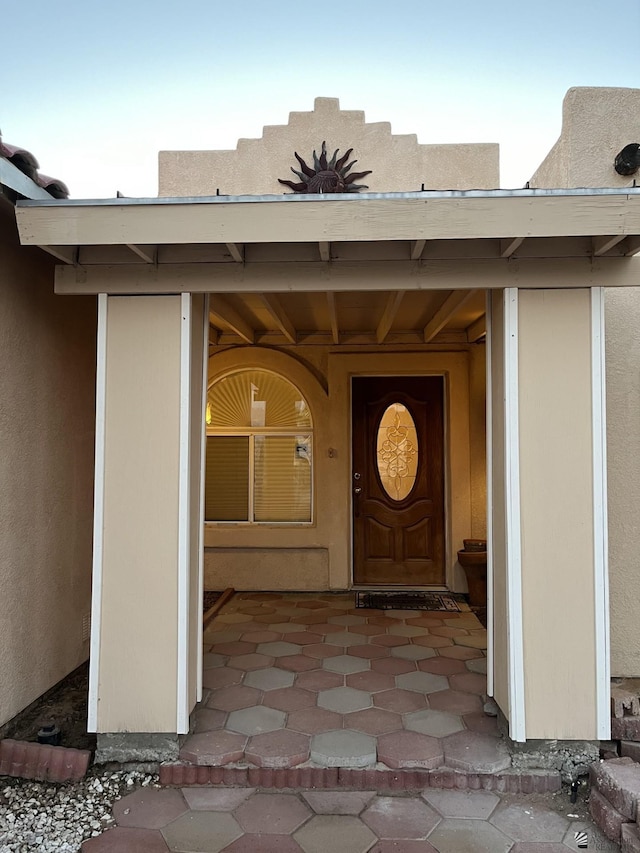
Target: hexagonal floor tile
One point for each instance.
(398, 818)
(220, 677)
(213, 748)
(389, 640)
(319, 651)
(234, 697)
(344, 699)
(320, 679)
(272, 678)
(442, 666)
(121, 839)
(476, 752)
(400, 701)
(304, 638)
(208, 719)
(314, 720)
(343, 748)
(455, 701)
(278, 649)
(284, 748)
(369, 652)
(335, 834)
(255, 721)
(344, 639)
(297, 663)
(461, 652)
(149, 808)
(371, 681)
(468, 836)
(403, 630)
(433, 723)
(260, 843)
(393, 666)
(261, 637)
(211, 661)
(477, 665)
(422, 682)
(248, 662)
(231, 649)
(346, 664)
(432, 642)
(462, 804)
(409, 749)
(473, 641)
(469, 682)
(373, 721)
(481, 722)
(338, 802)
(201, 832)
(272, 814)
(215, 799)
(412, 652)
(530, 822)
(289, 699)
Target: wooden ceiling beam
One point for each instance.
(388, 315)
(236, 250)
(274, 306)
(601, 245)
(508, 247)
(417, 248)
(66, 254)
(333, 317)
(149, 254)
(632, 246)
(220, 311)
(477, 330)
(214, 336)
(445, 312)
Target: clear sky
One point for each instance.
(96, 89)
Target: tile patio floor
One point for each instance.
(308, 679)
(244, 820)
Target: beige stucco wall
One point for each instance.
(47, 350)
(556, 503)
(398, 163)
(318, 556)
(596, 124)
(622, 322)
(138, 642)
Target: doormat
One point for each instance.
(396, 600)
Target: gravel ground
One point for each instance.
(49, 818)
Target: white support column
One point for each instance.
(489, 451)
(203, 457)
(98, 515)
(600, 520)
(184, 512)
(517, 730)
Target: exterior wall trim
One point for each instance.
(203, 456)
(489, 469)
(183, 516)
(98, 514)
(600, 520)
(513, 519)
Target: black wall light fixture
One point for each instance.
(627, 162)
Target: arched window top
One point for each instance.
(255, 399)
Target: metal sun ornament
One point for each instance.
(326, 176)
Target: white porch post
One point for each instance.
(548, 514)
(146, 625)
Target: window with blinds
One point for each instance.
(259, 451)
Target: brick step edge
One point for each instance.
(27, 760)
(531, 782)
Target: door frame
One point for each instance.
(446, 472)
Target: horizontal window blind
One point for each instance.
(282, 484)
(227, 478)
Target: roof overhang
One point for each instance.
(443, 239)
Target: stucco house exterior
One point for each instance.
(254, 343)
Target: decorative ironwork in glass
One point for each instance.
(397, 451)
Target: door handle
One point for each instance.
(357, 490)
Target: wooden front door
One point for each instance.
(398, 480)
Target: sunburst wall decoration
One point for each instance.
(326, 176)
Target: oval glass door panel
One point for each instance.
(397, 451)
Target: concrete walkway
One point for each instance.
(246, 820)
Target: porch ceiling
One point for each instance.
(361, 268)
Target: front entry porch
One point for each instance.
(310, 681)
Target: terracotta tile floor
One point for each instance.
(298, 679)
(246, 820)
